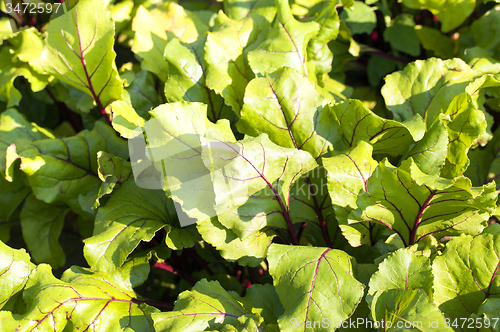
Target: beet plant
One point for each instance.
(249, 165)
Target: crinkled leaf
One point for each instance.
(355, 123)
(466, 274)
(15, 267)
(429, 154)
(287, 107)
(466, 126)
(250, 251)
(313, 283)
(79, 51)
(28, 47)
(152, 29)
(348, 173)
(42, 224)
(451, 13)
(95, 300)
(131, 215)
(208, 306)
(187, 78)
(112, 170)
(11, 68)
(318, 51)
(409, 308)
(426, 87)
(414, 204)
(360, 18)
(228, 72)
(285, 45)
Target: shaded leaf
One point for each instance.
(42, 224)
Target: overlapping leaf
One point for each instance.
(451, 14)
(348, 173)
(14, 128)
(82, 300)
(208, 306)
(79, 51)
(15, 267)
(131, 215)
(287, 107)
(313, 283)
(355, 123)
(415, 205)
(403, 270)
(226, 49)
(188, 75)
(42, 224)
(466, 275)
(152, 30)
(285, 45)
(62, 170)
(408, 308)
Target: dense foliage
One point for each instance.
(341, 159)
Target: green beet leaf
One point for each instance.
(238, 9)
(112, 171)
(42, 224)
(402, 36)
(155, 27)
(313, 283)
(131, 215)
(408, 310)
(208, 306)
(79, 51)
(188, 78)
(281, 48)
(286, 106)
(451, 14)
(360, 18)
(468, 264)
(226, 49)
(403, 269)
(355, 122)
(348, 173)
(15, 268)
(414, 205)
(61, 170)
(96, 300)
